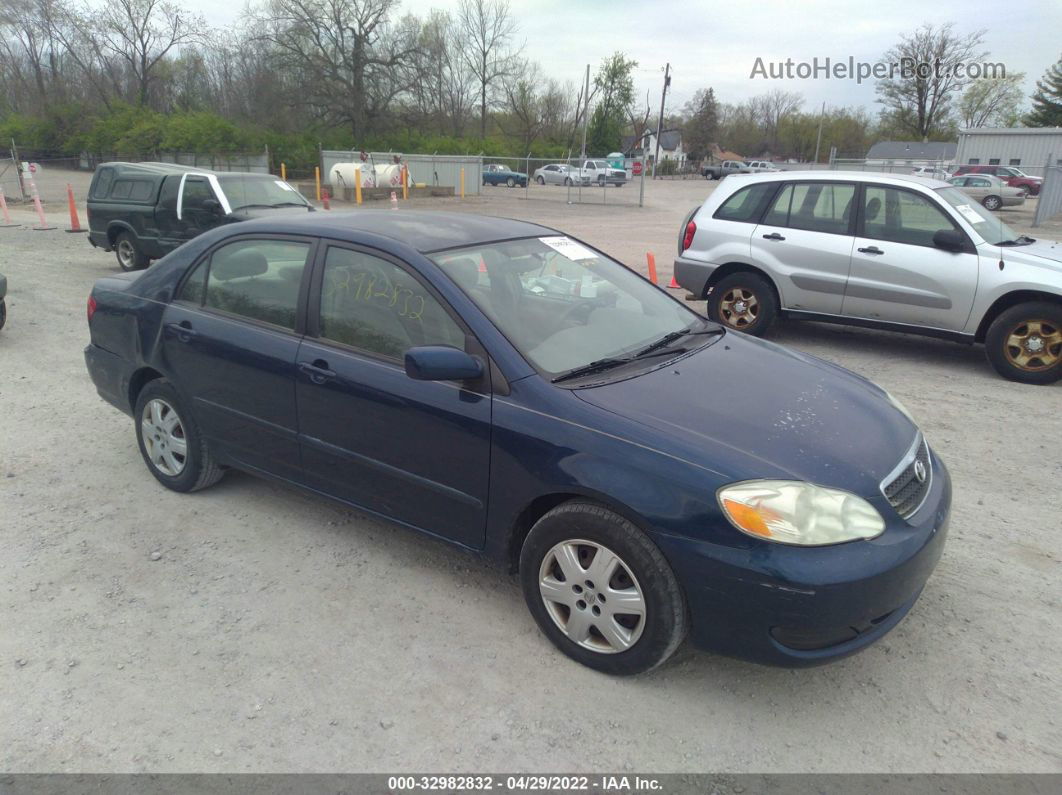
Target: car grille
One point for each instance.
(904, 490)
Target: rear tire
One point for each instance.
(622, 617)
(170, 441)
(510, 182)
(743, 302)
(128, 253)
(568, 181)
(1024, 343)
(540, 180)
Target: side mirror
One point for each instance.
(949, 240)
(212, 205)
(441, 363)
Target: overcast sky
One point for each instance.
(716, 43)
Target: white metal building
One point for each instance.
(1028, 148)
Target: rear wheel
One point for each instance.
(992, 202)
(170, 442)
(601, 591)
(128, 253)
(540, 180)
(568, 181)
(1025, 343)
(510, 182)
(743, 302)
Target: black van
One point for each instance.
(142, 211)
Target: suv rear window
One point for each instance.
(747, 204)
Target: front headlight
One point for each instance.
(792, 512)
(900, 407)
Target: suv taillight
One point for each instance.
(91, 309)
(687, 238)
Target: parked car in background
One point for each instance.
(599, 172)
(3, 300)
(496, 174)
(759, 166)
(991, 191)
(1013, 176)
(414, 366)
(720, 170)
(932, 172)
(560, 174)
(901, 253)
(142, 211)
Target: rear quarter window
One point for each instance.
(104, 179)
(746, 205)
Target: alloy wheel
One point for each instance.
(164, 438)
(126, 254)
(1034, 345)
(740, 308)
(592, 596)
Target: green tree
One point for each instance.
(991, 101)
(1047, 99)
(614, 92)
(701, 128)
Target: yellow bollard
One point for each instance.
(462, 183)
(317, 178)
(283, 172)
(405, 183)
(357, 185)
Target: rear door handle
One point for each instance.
(318, 371)
(183, 331)
(870, 250)
(773, 236)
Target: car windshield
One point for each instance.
(563, 305)
(244, 190)
(988, 226)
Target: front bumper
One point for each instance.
(801, 606)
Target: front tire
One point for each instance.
(992, 202)
(540, 180)
(510, 182)
(743, 302)
(601, 591)
(1025, 343)
(170, 441)
(127, 252)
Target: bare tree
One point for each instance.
(992, 101)
(920, 103)
(489, 29)
(523, 106)
(141, 33)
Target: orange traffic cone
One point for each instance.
(75, 224)
(674, 284)
(482, 265)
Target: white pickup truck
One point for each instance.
(599, 172)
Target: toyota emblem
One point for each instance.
(920, 471)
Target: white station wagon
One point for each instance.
(902, 253)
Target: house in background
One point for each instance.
(911, 153)
(670, 147)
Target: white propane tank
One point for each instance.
(390, 175)
(342, 176)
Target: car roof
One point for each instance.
(425, 231)
(841, 176)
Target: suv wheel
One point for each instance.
(992, 202)
(170, 442)
(127, 251)
(1025, 343)
(743, 302)
(601, 591)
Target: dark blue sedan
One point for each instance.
(512, 390)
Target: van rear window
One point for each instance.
(137, 190)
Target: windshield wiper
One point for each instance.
(593, 367)
(667, 339)
(247, 206)
(287, 204)
(1020, 240)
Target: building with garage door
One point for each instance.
(1027, 148)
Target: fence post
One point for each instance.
(527, 171)
(462, 182)
(405, 183)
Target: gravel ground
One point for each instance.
(250, 627)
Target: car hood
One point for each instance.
(266, 212)
(751, 409)
(1045, 253)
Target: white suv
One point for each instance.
(886, 251)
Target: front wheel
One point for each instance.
(1025, 343)
(568, 181)
(992, 202)
(601, 591)
(127, 252)
(170, 442)
(510, 182)
(540, 180)
(743, 302)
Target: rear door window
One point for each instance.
(747, 204)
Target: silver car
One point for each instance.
(885, 251)
(560, 174)
(991, 191)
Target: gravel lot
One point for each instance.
(250, 627)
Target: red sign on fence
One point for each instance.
(636, 168)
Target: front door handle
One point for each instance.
(318, 371)
(183, 331)
(870, 250)
(773, 236)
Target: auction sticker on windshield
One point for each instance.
(970, 214)
(569, 248)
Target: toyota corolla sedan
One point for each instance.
(516, 392)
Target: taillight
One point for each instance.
(91, 307)
(687, 239)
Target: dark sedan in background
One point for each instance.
(506, 388)
(497, 174)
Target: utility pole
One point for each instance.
(819, 139)
(660, 122)
(586, 110)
